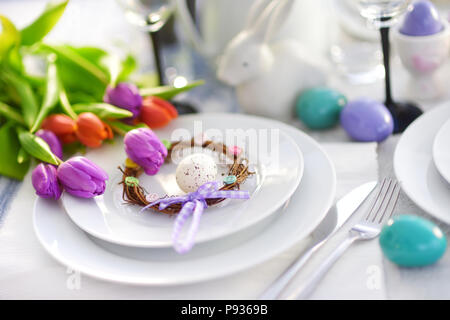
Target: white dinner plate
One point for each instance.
(414, 166)
(441, 150)
(292, 223)
(277, 176)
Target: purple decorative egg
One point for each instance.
(422, 19)
(367, 120)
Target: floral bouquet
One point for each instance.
(82, 99)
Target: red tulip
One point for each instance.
(64, 127)
(157, 112)
(91, 130)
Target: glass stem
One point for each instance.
(384, 32)
(156, 53)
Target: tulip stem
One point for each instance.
(59, 161)
(67, 107)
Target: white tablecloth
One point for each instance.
(28, 272)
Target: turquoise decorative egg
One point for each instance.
(319, 108)
(412, 241)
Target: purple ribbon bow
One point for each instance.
(193, 204)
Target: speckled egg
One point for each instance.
(412, 241)
(194, 171)
(367, 120)
(319, 108)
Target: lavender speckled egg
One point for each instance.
(367, 120)
(194, 171)
(422, 19)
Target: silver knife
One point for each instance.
(344, 208)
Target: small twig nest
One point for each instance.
(133, 193)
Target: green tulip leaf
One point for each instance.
(80, 97)
(28, 101)
(9, 38)
(102, 110)
(65, 104)
(117, 70)
(79, 73)
(11, 113)
(168, 92)
(10, 44)
(70, 54)
(129, 64)
(9, 166)
(113, 65)
(122, 128)
(42, 25)
(146, 80)
(22, 156)
(51, 95)
(37, 147)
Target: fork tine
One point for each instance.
(378, 202)
(383, 202)
(395, 197)
(380, 190)
(390, 196)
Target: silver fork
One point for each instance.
(368, 228)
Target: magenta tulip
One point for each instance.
(52, 141)
(144, 148)
(82, 178)
(45, 182)
(126, 96)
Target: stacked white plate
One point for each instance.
(108, 239)
(422, 162)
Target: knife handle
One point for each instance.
(274, 290)
(312, 282)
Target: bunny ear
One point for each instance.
(255, 12)
(278, 18)
(261, 26)
(272, 19)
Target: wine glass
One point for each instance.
(150, 15)
(383, 14)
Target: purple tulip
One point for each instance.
(144, 148)
(125, 96)
(52, 141)
(45, 181)
(82, 178)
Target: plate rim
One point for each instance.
(145, 243)
(325, 205)
(444, 173)
(424, 205)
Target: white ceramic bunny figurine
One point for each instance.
(269, 75)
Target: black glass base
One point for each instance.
(404, 113)
(184, 107)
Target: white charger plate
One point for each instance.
(107, 217)
(441, 150)
(414, 166)
(307, 207)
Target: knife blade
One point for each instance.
(341, 212)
